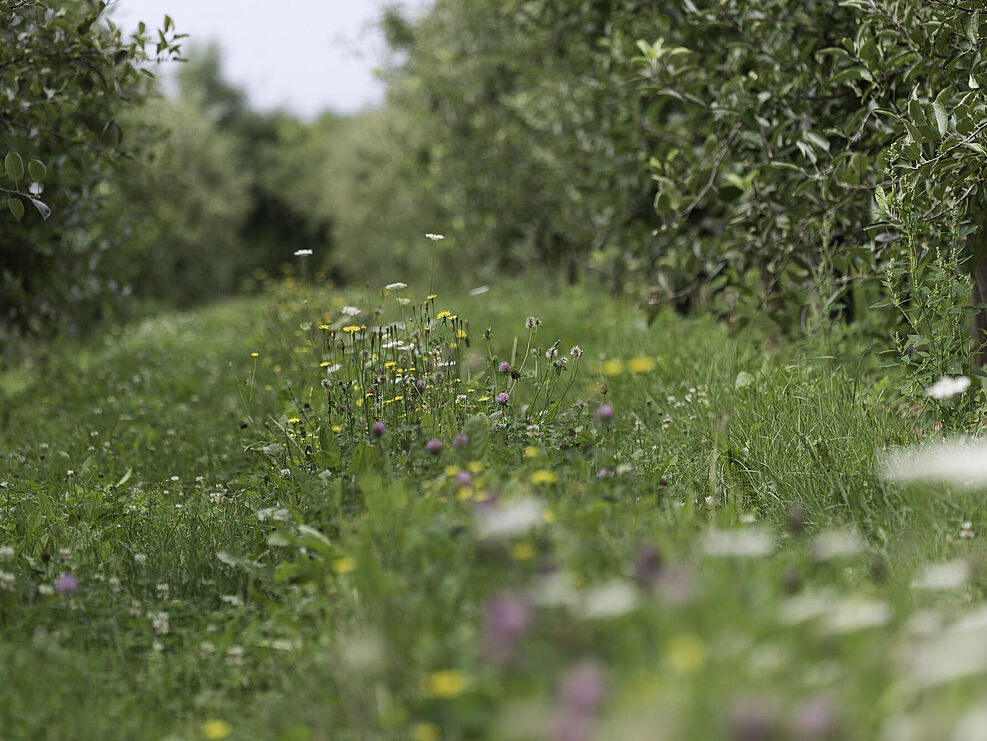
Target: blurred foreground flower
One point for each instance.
(948, 386)
(508, 519)
(66, 584)
(508, 616)
(962, 461)
(216, 729)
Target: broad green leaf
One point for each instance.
(14, 166)
(37, 170)
(477, 432)
(16, 208)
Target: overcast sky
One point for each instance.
(306, 56)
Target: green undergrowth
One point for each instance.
(208, 535)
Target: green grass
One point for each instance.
(315, 598)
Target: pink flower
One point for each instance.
(502, 398)
(434, 446)
(604, 412)
(66, 584)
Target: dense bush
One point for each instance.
(66, 74)
(750, 154)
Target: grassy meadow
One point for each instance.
(367, 514)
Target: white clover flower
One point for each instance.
(234, 655)
(7, 580)
(962, 461)
(351, 311)
(302, 253)
(140, 559)
(948, 386)
(396, 286)
(742, 543)
(506, 520)
(6, 553)
(435, 237)
(159, 621)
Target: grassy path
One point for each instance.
(716, 560)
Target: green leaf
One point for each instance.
(942, 120)
(332, 456)
(16, 208)
(37, 170)
(14, 166)
(477, 432)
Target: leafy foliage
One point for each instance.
(66, 74)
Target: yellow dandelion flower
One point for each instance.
(484, 398)
(464, 494)
(337, 428)
(324, 364)
(425, 732)
(522, 551)
(686, 653)
(548, 516)
(475, 466)
(641, 364)
(451, 470)
(255, 354)
(431, 296)
(351, 328)
(277, 369)
(531, 452)
(216, 729)
(343, 565)
(443, 314)
(543, 476)
(294, 421)
(612, 367)
(460, 334)
(323, 326)
(446, 684)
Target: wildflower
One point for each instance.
(434, 446)
(508, 616)
(7, 581)
(962, 461)
(753, 719)
(742, 543)
(576, 352)
(66, 584)
(543, 476)
(507, 520)
(425, 732)
(163, 590)
(948, 386)
(396, 286)
(343, 565)
(446, 684)
(604, 412)
(302, 253)
(378, 429)
(612, 367)
(640, 364)
(6, 553)
(464, 479)
(214, 730)
(234, 655)
(159, 622)
(604, 473)
(502, 398)
(581, 691)
(350, 311)
(435, 237)
(207, 649)
(443, 315)
(114, 583)
(647, 566)
(531, 452)
(817, 718)
(46, 589)
(350, 329)
(966, 530)
(459, 442)
(504, 366)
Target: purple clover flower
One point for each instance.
(502, 398)
(66, 584)
(504, 366)
(459, 442)
(434, 446)
(508, 616)
(378, 429)
(604, 412)
(464, 479)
